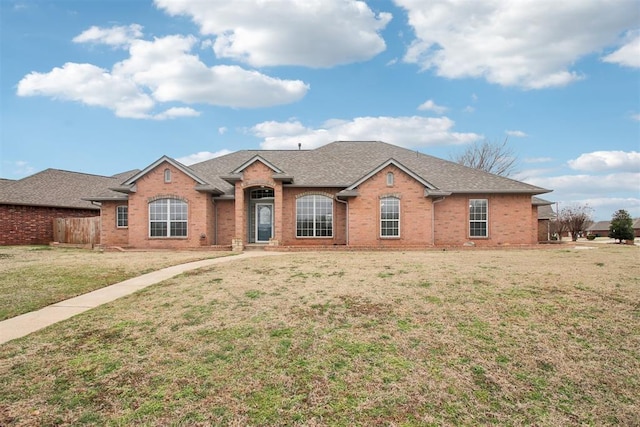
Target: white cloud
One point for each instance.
(222, 130)
(629, 54)
(202, 156)
(590, 184)
(287, 32)
(429, 105)
(162, 70)
(511, 43)
(599, 161)
(636, 117)
(414, 131)
(176, 112)
(117, 36)
(22, 168)
(89, 85)
(516, 133)
(538, 159)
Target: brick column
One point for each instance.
(278, 206)
(241, 232)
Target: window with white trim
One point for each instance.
(167, 175)
(314, 216)
(390, 179)
(168, 218)
(389, 217)
(122, 216)
(478, 214)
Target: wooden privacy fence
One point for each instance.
(78, 231)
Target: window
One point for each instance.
(122, 216)
(390, 179)
(167, 175)
(390, 217)
(168, 218)
(478, 218)
(314, 216)
(261, 193)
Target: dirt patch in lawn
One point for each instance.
(517, 337)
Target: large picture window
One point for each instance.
(390, 217)
(478, 218)
(168, 218)
(122, 216)
(314, 216)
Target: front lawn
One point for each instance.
(32, 277)
(512, 337)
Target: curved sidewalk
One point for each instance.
(24, 324)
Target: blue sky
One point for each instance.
(107, 86)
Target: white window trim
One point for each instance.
(486, 221)
(390, 179)
(397, 199)
(167, 175)
(118, 216)
(168, 220)
(314, 217)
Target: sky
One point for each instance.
(103, 87)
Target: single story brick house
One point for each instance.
(359, 194)
(601, 228)
(29, 205)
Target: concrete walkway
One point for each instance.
(23, 325)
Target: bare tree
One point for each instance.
(490, 157)
(574, 219)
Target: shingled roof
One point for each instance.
(342, 163)
(57, 188)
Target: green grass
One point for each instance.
(32, 277)
(517, 344)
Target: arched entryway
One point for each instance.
(261, 207)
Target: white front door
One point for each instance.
(264, 222)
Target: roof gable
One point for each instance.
(260, 159)
(384, 165)
(164, 159)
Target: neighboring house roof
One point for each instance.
(545, 209)
(343, 164)
(604, 225)
(599, 226)
(56, 188)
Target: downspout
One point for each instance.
(347, 219)
(433, 219)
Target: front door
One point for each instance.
(264, 222)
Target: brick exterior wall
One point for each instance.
(33, 225)
(151, 187)
(424, 221)
(511, 220)
(415, 211)
(110, 234)
(289, 238)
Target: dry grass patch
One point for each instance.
(32, 277)
(537, 337)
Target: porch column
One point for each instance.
(278, 204)
(237, 245)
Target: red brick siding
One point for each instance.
(152, 186)
(33, 225)
(225, 224)
(510, 220)
(110, 234)
(289, 238)
(415, 211)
